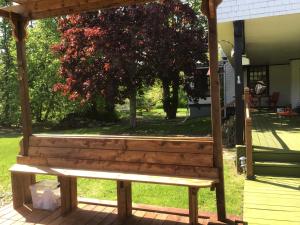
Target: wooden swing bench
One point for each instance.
(168, 161)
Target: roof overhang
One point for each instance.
(268, 41)
(39, 9)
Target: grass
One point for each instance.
(170, 196)
(150, 123)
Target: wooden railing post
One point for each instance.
(248, 134)
(209, 8)
(19, 31)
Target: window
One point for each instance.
(256, 74)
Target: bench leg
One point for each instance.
(68, 194)
(193, 205)
(124, 199)
(20, 183)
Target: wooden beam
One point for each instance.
(124, 199)
(121, 143)
(206, 5)
(68, 192)
(216, 108)
(248, 134)
(24, 1)
(20, 183)
(141, 168)
(16, 184)
(193, 205)
(162, 158)
(83, 8)
(27, 180)
(19, 31)
(4, 13)
(239, 80)
(52, 8)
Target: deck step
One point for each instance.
(287, 169)
(276, 156)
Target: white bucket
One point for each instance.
(45, 195)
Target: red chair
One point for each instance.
(253, 101)
(273, 100)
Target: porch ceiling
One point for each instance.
(269, 40)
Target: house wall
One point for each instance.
(295, 83)
(280, 81)
(229, 85)
(230, 10)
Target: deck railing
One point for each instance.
(248, 134)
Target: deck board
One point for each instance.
(271, 132)
(272, 200)
(91, 214)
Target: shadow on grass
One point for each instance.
(9, 132)
(148, 127)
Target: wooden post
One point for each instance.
(239, 80)
(68, 192)
(124, 199)
(19, 30)
(193, 205)
(248, 135)
(209, 8)
(20, 188)
(246, 97)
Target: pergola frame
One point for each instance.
(26, 10)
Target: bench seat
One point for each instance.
(167, 180)
(24, 175)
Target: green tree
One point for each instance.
(43, 69)
(9, 105)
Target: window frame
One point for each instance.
(259, 69)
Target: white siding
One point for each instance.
(280, 81)
(229, 85)
(231, 10)
(295, 83)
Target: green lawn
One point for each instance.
(170, 196)
(149, 123)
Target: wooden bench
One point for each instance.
(169, 161)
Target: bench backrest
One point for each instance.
(183, 157)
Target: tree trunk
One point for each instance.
(170, 98)
(92, 112)
(132, 101)
(38, 115)
(166, 97)
(109, 110)
(174, 99)
(49, 108)
(109, 106)
(109, 101)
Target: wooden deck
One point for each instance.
(273, 133)
(276, 145)
(272, 201)
(95, 214)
